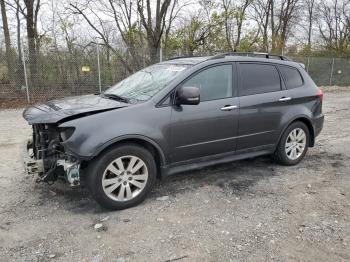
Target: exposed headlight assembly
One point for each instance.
(66, 133)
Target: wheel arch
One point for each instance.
(139, 140)
(307, 122)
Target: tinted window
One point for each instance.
(214, 82)
(258, 79)
(291, 76)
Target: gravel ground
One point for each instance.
(252, 210)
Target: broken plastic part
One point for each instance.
(72, 171)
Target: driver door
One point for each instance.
(209, 128)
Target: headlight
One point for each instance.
(66, 133)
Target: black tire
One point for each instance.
(97, 167)
(280, 154)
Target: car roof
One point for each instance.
(234, 58)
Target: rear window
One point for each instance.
(291, 77)
(258, 79)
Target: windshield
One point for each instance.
(144, 84)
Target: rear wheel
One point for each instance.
(122, 176)
(293, 145)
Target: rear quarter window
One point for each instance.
(258, 79)
(291, 77)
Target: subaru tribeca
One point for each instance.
(174, 116)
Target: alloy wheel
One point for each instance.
(125, 178)
(295, 143)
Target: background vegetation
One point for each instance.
(57, 38)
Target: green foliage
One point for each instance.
(194, 35)
(134, 35)
(250, 42)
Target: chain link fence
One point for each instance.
(327, 71)
(93, 68)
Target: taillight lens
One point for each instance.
(320, 94)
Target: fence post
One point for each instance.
(331, 76)
(308, 64)
(98, 66)
(25, 72)
(161, 52)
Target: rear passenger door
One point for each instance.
(263, 101)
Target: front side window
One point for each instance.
(214, 82)
(291, 76)
(147, 82)
(258, 79)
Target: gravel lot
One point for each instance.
(252, 210)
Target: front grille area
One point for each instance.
(47, 158)
(46, 144)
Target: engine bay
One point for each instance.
(47, 158)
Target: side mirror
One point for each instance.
(187, 95)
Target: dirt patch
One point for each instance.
(251, 210)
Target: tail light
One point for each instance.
(320, 94)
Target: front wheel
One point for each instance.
(293, 144)
(122, 176)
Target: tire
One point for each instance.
(284, 154)
(115, 188)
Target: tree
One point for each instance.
(310, 8)
(234, 16)
(30, 12)
(31, 16)
(155, 24)
(334, 26)
(282, 19)
(200, 31)
(19, 44)
(135, 22)
(194, 34)
(261, 16)
(9, 57)
(123, 16)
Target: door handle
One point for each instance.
(228, 108)
(282, 99)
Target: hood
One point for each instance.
(58, 110)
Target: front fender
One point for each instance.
(133, 137)
(96, 132)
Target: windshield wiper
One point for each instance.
(116, 97)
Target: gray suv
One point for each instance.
(178, 115)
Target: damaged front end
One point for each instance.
(45, 154)
(46, 157)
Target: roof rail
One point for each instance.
(179, 57)
(252, 54)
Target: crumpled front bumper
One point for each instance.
(36, 167)
(32, 166)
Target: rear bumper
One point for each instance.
(318, 124)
